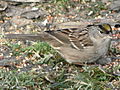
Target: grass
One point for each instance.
(92, 79)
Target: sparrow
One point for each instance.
(76, 45)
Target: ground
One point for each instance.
(34, 65)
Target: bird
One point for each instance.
(76, 45)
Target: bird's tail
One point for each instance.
(43, 36)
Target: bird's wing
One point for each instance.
(77, 38)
